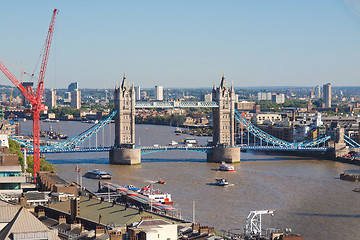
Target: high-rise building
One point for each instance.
(327, 95)
(67, 97)
(263, 96)
(269, 96)
(50, 98)
(73, 86)
(317, 92)
(76, 99)
(278, 98)
(143, 95)
(137, 93)
(26, 102)
(208, 97)
(159, 93)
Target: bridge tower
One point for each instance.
(124, 151)
(224, 125)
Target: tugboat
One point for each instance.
(97, 174)
(221, 182)
(226, 167)
(350, 176)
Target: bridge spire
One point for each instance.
(223, 83)
(123, 84)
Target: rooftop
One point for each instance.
(116, 214)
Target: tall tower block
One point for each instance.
(124, 151)
(224, 125)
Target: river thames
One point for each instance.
(306, 193)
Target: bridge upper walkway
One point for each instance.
(176, 104)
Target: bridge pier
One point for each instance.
(226, 154)
(125, 156)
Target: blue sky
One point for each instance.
(186, 43)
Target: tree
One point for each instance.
(14, 147)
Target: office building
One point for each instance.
(26, 102)
(137, 93)
(327, 95)
(159, 93)
(245, 105)
(76, 99)
(50, 98)
(73, 86)
(317, 92)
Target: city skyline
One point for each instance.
(173, 44)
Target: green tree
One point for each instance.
(44, 165)
(14, 147)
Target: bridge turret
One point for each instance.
(223, 117)
(124, 101)
(224, 125)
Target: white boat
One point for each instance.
(221, 182)
(173, 143)
(226, 167)
(97, 174)
(50, 120)
(190, 142)
(157, 195)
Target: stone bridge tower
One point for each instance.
(224, 125)
(124, 151)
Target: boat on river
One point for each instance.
(97, 174)
(226, 167)
(221, 182)
(350, 176)
(173, 143)
(157, 195)
(160, 181)
(190, 142)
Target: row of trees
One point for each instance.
(14, 147)
(275, 107)
(172, 120)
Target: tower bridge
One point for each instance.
(224, 147)
(223, 105)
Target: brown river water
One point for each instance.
(306, 193)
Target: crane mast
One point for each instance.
(35, 99)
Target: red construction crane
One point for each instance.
(35, 98)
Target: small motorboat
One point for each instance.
(160, 181)
(226, 167)
(221, 182)
(173, 143)
(97, 174)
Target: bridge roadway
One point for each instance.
(201, 149)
